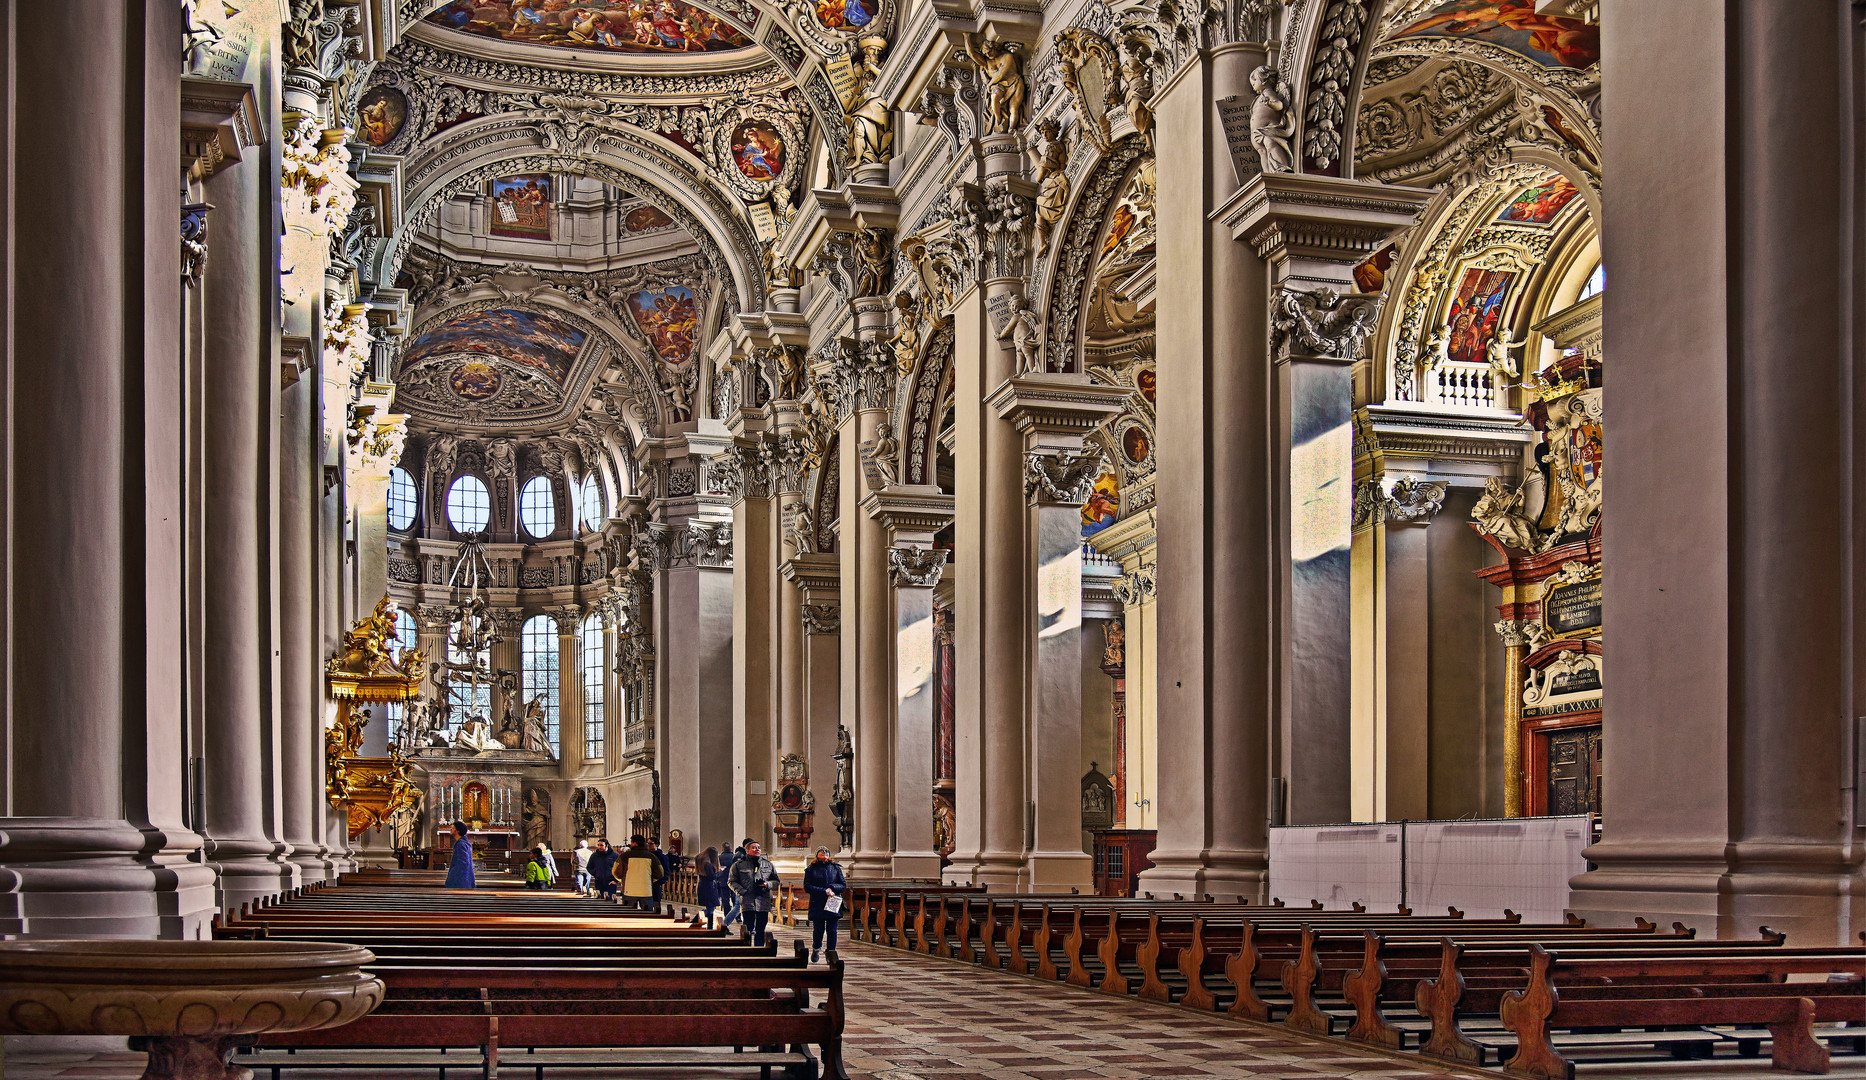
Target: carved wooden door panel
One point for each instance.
(1574, 770)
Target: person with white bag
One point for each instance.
(826, 884)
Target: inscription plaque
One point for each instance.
(1572, 608)
(1234, 117)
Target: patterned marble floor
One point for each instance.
(916, 1018)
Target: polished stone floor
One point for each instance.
(916, 1018)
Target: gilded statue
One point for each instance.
(366, 648)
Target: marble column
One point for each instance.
(91, 772)
(1132, 541)
(693, 631)
(867, 650)
(1215, 561)
(569, 622)
(240, 438)
(1734, 690)
(301, 690)
(818, 580)
(1052, 414)
(753, 669)
(913, 515)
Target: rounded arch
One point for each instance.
(625, 160)
(916, 422)
(1067, 263)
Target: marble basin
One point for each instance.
(188, 1003)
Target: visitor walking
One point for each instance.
(641, 873)
(536, 875)
(550, 864)
(706, 868)
(603, 870)
(667, 869)
(460, 870)
(753, 878)
(729, 900)
(824, 880)
(581, 859)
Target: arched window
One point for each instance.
(537, 507)
(1596, 282)
(468, 506)
(468, 700)
(590, 504)
(402, 500)
(404, 639)
(538, 646)
(593, 669)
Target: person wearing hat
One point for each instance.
(824, 880)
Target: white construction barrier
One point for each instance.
(1478, 867)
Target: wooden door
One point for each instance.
(1574, 770)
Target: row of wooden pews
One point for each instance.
(480, 980)
(1535, 998)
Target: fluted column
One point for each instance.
(96, 844)
(819, 621)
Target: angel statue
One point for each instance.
(1498, 352)
(1001, 64)
(1272, 129)
(1052, 177)
(1020, 329)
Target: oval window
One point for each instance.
(402, 500)
(467, 505)
(537, 507)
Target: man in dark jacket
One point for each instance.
(752, 880)
(826, 884)
(603, 870)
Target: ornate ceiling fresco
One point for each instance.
(609, 25)
(1550, 40)
(494, 361)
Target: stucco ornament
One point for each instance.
(1322, 322)
(1272, 128)
(1001, 65)
(916, 565)
(1499, 513)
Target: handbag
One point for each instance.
(832, 904)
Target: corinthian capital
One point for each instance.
(916, 565)
(1058, 476)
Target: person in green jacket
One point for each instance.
(537, 875)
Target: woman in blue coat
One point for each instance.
(822, 880)
(460, 870)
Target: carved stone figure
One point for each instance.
(906, 339)
(885, 452)
(875, 259)
(1052, 177)
(1498, 353)
(1322, 322)
(1020, 328)
(537, 811)
(842, 795)
(1499, 513)
(537, 736)
(476, 734)
(1272, 128)
(871, 131)
(1114, 644)
(1137, 85)
(790, 371)
(802, 529)
(1001, 65)
(404, 826)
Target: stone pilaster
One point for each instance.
(913, 516)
